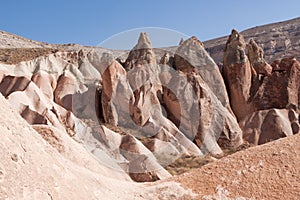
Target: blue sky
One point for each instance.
(90, 22)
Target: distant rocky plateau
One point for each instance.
(203, 120)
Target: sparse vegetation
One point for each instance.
(17, 55)
(187, 162)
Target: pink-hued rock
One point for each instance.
(281, 88)
(141, 54)
(46, 82)
(196, 100)
(266, 125)
(112, 77)
(192, 56)
(143, 166)
(34, 106)
(10, 84)
(256, 58)
(237, 74)
(199, 113)
(144, 81)
(137, 117)
(33, 117)
(64, 90)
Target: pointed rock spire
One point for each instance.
(143, 42)
(191, 56)
(237, 74)
(256, 58)
(181, 41)
(186, 56)
(234, 51)
(142, 54)
(165, 59)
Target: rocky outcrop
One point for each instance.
(32, 117)
(237, 74)
(64, 90)
(130, 100)
(10, 84)
(115, 90)
(196, 100)
(144, 81)
(46, 82)
(141, 54)
(165, 59)
(266, 125)
(88, 70)
(257, 95)
(281, 88)
(198, 113)
(34, 106)
(49, 96)
(272, 86)
(192, 56)
(49, 156)
(256, 58)
(142, 164)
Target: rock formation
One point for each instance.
(36, 107)
(281, 88)
(46, 82)
(129, 100)
(196, 99)
(113, 99)
(192, 56)
(256, 58)
(237, 74)
(266, 125)
(139, 112)
(262, 97)
(49, 156)
(64, 90)
(165, 59)
(141, 54)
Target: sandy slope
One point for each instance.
(269, 171)
(31, 169)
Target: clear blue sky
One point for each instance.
(90, 22)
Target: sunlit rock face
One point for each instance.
(261, 94)
(237, 74)
(132, 116)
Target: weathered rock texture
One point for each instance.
(192, 56)
(237, 74)
(113, 79)
(266, 125)
(281, 88)
(141, 54)
(137, 113)
(255, 94)
(256, 58)
(196, 99)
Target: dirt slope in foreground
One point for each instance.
(269, 171)
(32, 169)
